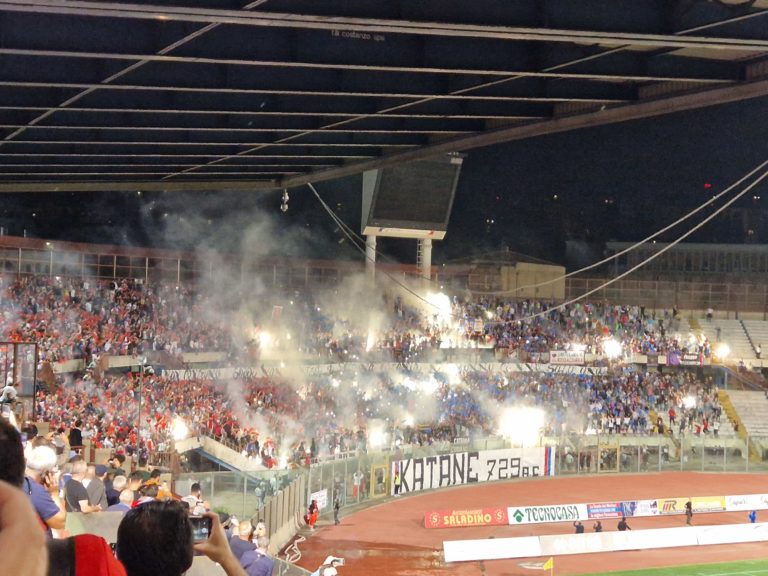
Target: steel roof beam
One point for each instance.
(613, 115)
(187, 143)
(601, 76)
(309, 93)
(646, 109)
(281, 20)
(227, 129)
(142, 185)
(108, 165)
(313, 114)
(103, 155)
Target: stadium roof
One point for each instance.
(216, 94)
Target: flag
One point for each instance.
(548, 564)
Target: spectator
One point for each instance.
(623, 526)
(241, 543)
(9, 393)
(11, 455)
(156, 539)
(19, 524)
(579, 527)
(259, 529)
(116, 465)
(42, 486)
(114, 489)
(76, 436)
(124, 502)
(257, 562)
(597, 526)
(752, 516)
(97, 492)
(328, 567)
(75, 494)
(197, 505)
(83, 555)
(312, 513)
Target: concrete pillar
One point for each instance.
(370, 255)
(425, 263)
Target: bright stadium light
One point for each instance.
(522, 425)
(612, 348)
(722, 351)
(689, 402)
(179, 429)
(265, 339)
(371, 340)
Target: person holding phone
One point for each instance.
(157, 538)
(41, 483)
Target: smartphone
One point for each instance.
(201, 528)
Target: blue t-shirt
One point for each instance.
(240, 547)
(257, 564)
(44, 505)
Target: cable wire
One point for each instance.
(655, 255)
(633, 246)
(363, 250)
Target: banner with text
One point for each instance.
(464, 518)
(634, 508)
(432, 472)
(542, 514)
(746, 502)
(565, 357)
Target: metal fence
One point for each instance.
(357, 478)
(658, 294)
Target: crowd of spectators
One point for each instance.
(76, 318)
(281, 421)
(287, 420)
(157, 531)
(275, 418)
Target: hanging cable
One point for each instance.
(655, 255)
(350, 232)
(633, 246)
(362, 249)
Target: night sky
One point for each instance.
(616, 182)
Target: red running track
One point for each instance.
(390, 538)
